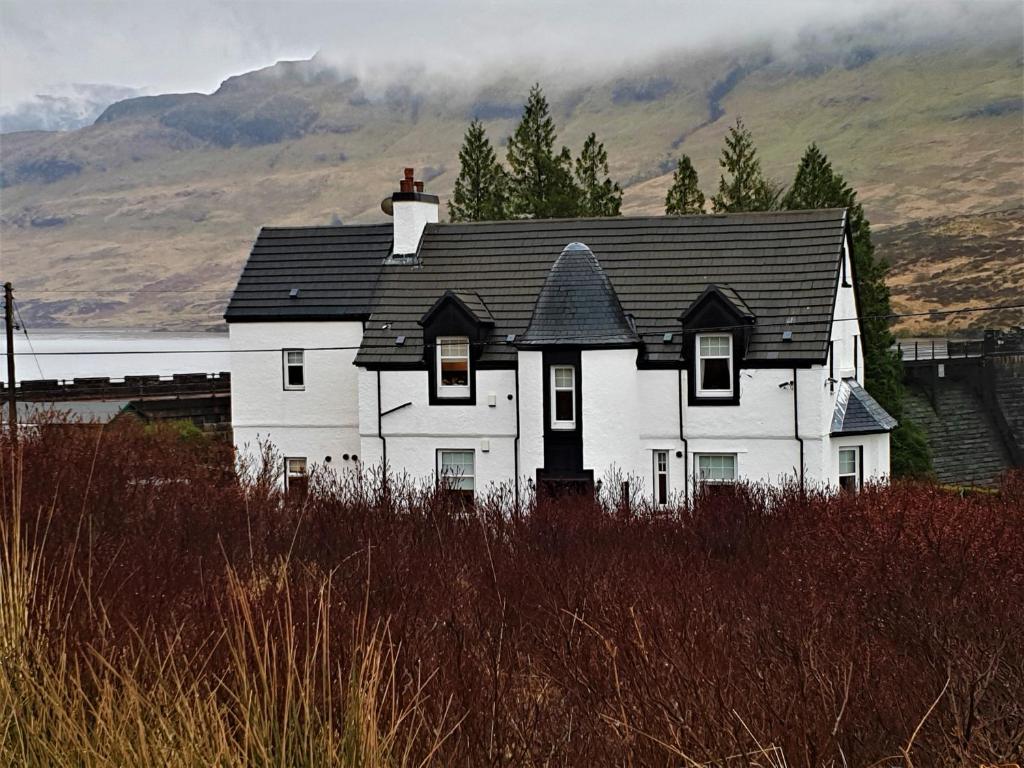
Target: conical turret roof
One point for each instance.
(578, 306)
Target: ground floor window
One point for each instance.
(716, 468)
(661, 478)
(296, 478)
(456, 473)
(849, 468)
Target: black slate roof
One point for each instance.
(857, 412)
(334, 269)
(785, 265)
(578, 306)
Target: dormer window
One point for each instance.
(453, 366)
(714, 365)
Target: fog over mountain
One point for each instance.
(190, 46)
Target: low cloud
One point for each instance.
(165, 47)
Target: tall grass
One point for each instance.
(158, 611)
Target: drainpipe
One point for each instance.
(380, 431)
(516, 442)
(796, 430)
(686, 445)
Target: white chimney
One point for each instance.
(412, 210)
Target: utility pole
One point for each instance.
(12, 397)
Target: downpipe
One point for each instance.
(796, 430)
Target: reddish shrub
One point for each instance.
(573, 633)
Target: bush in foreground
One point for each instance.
(155, 610)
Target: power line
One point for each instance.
(763, 325)
(24, 329)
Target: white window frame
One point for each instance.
(699, 358)
(856, 474)
(659, 471)
(461, 478)
(286, 366)
(555, 389)
(289, 473)
(717, 481)
(453, 390)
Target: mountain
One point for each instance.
(145, 217)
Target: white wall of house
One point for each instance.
(531, 413)
(320, 420)
(876, 456)
(415, 432)
(845, 332)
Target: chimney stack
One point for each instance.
(412, 210)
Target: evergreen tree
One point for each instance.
(540, 183)
(479, 193)
(684, 196)
(817, 185)
(746, 189)
(598, 194)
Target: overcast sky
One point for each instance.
(183, 45)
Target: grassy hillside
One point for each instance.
(166, 193)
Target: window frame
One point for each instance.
(858, 467)
(557, 424)
(286, 366)
(661, 500)
(289, 475)
(699, 358)
(469, 494)
(717, 481)
(452, 391)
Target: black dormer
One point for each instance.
(717, 327)
(457, 314)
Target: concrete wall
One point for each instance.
(316, 422)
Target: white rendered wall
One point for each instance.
(846, 332)
(876, 457)
(531, 413)
(318, 421)
(410, 218)
(629, 413)
(415, 432)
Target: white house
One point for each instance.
(669, 350)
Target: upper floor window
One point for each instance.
(563, 397)
(294, 369)
(714, 365)
(453, 366)
(849, 469)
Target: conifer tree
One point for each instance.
(479, 193)
(684, 196)
(745, 189)
(817, 185)
(540, 183)
(598, 194)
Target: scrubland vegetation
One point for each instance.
(156, 611)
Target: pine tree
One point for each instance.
(540, 182)
(746, 189)
(479, 193)
(598, 194)
(817, 185)
(684, 196)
